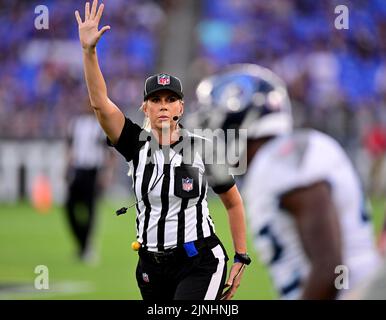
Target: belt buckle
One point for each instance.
(161, 257)
(157, 258)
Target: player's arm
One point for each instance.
(109, 115)
(318, 226)
(382, 239)
(235, 208)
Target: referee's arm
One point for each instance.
(234, 205)
(109, 115)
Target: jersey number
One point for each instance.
(277, 248)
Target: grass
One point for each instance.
(29, 239)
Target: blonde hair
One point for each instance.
(146, 122)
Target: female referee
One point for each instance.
(180, 257)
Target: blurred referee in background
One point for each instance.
(90, 168)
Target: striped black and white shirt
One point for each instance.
(167, 216)
(87, 140)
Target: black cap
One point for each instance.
(162, 81)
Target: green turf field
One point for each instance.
(29, 239)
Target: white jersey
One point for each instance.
(299, 160)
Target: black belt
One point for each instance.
(174, 254)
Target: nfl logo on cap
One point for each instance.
(187, 184)
(163, 79)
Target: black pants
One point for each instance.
(80, 205)
(179, 277)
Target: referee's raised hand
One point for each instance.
(89, 34)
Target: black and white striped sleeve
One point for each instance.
(219, 178)
(216, 170)
(128, 143)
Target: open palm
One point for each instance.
(88, 30)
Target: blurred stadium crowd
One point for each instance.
(326, 69)
(336, 78)
(41, 77)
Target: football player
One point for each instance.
(306, 209)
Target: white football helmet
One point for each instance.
(244, 96)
